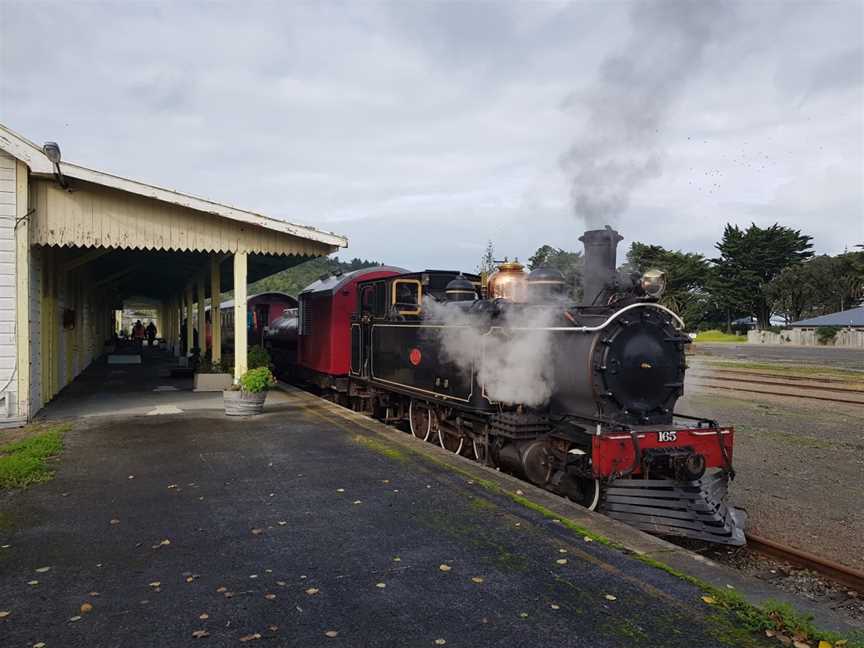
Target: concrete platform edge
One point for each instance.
(622, 537)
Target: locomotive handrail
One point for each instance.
(591, 329)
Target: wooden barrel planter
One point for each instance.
(240, 403)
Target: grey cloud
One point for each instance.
(420, 130)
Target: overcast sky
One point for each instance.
(420, 130)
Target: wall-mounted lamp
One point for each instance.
(52, 152)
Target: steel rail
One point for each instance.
(848, 576)
(775, 383)
(768, 393)
(759, 374)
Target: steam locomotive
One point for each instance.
(576, 398)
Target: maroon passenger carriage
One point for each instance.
(607, 436)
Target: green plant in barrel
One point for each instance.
(257, 380)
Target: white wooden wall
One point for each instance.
(8, 340)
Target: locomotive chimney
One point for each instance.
(599, 268)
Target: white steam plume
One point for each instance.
(620, 144)
(514, 367)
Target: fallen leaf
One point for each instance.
(4, 614)
(165, 543)
(252, 637)
(115, 521)
(221, 589)
(380, 585)
(312, 591)
(561, 561)
(358, 502)
(444, 568)
(332, 633)
(86, 607)
(385, 481)
(257, 531)
(440, 642)
(200, 634)
(562, 551)
(710, 600)
(273, 628)
(610, 597)
(769, 633)
(155, 584)
(94, 594)
(42, 570)
(203, 616)
(172, 486)
(340, 490)
(554, 606)
(523, 615)
(519, 492)
(269, 571)
(397, 559)
(477, 579)
(75, 618)
(824, 644)
(282, 523)
(269, 597)
(40, 644)
(281, 583)
(786, 641)
(800, 644)
(228, 595)
(587, 539)
(33, 582)
(131, 477)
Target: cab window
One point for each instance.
(406, 296)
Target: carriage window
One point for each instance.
(380, 298)
(304, 317)
(367, 299)
(406, 296)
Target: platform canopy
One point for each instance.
(101, 210)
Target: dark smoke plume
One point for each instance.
(627, 104)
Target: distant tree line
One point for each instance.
(296, 278)
(758, 272)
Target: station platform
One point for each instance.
(304, 526)
(145, 389)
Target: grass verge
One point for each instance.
(719, 336)
(24, 462)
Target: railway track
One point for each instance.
(826, 390)
(847, 576)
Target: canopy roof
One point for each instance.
(104, 210)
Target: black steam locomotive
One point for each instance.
(576, 398)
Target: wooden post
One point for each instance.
(190, 333)
(202, 316)
(240, 329)
(177, 323)
(22, 295)
(216, 308)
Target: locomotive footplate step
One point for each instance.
(695, 509)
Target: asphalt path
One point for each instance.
(298, 530)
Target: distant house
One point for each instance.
(852, 318)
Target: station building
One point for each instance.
(77, 245)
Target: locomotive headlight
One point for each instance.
(653, 283)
